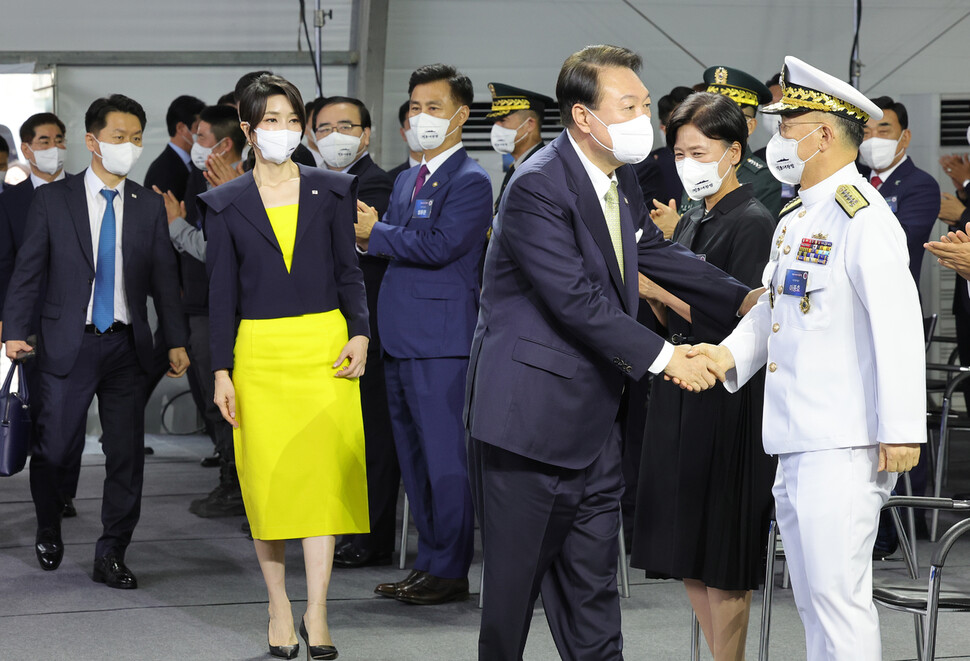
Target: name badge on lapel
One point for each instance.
(796, 282)
(422, 208)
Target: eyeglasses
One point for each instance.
(784, 127)
(346, 128)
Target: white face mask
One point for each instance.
(503, 139)
(339, 150)
(277, 146)
(783, 160)
(878, 153)
(968, 135)
(412, 138)
(431, 131)
(700, 179)
(118, 159)
(200, 154)
(632, 140)
(48, 161)
(771, 123)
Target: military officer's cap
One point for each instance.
(742, 88)
(806, 88)
(507, 99)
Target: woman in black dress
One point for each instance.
(704, 496)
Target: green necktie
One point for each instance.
(613, 224)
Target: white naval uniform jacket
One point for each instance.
(847, 369)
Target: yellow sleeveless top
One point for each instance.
(283, 220)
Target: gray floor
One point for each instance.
(201, 595)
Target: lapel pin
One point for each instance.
(626, 201)
(313, 192)
(134, 196)
(434, 184)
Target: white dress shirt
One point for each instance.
(96, 207)
(601, 184)
(440, 159)
(885, 174)
(184, 155)
(38, 182)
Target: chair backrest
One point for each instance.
(929, 327)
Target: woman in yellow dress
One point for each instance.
(282, 262)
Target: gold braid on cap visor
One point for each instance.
(805, 97)
(507, 105)
(740, 96)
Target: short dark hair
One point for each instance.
(669, 102)
(579, 77)
(774, 80)
(224, 121)
(96, 118)
(252, 102)
(714, 115)
(460, 84)
(246, 80)
(28, 130)
(321, 103)
(227, 99)
(853, 131)
(403, 112)
(4, 147)
(183, 110)
(887, 103)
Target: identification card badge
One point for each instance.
(422, 208)
(796, 282)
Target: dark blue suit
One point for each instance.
(557, 342)
(76, 364)
(427, 308)
(914, 196)
(247, 276)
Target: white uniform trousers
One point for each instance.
(827, 506)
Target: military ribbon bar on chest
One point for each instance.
(815, 250)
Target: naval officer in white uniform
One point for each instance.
(840, 329)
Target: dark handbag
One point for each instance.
(15, 427)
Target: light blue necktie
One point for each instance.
(103, 310)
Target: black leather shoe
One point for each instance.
(111, 570)
(391, 589)
(149, 450)
(283, 651)
(49, 548)
(211, 461)
(317, 651)
(223, 501)
(350, 556)
(434, 590)
(69, 510)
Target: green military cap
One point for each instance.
(743, 88)
(507, 99)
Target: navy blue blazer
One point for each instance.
(914, 196)
(14, 205)
(169, 172)
(247, 275)
(428, 302)
(57, 246)
(557, 335)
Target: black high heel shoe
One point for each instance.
(283, 651)
(316, 651)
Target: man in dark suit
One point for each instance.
(518, 125)
(100, 243)
(657, 173)
(434, 234)
(414, 149)
(170, 170)
(342, 130)
(4, 163)
(556, 344)
(43, 143)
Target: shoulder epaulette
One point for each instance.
(755, 163)
(791, 206)
(850, 199)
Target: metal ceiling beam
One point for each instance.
(178, 58)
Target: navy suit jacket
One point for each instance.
(557, 335)
(14, 204)
(57, 245)
(914, 196)
(247, 274)
(169, 172)
(428, 301)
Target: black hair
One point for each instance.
(245, 81)
(224, 121)
(461, 85)
(714, 115)
(669, 102)
(96, 118)
(183, 110)
(403, 112)
(28, 130)
(4, 147)
(252, 102)
(227, 99)
(774, 80)
(852, 130)
(886, 103)
(578, 80)
(320, 104)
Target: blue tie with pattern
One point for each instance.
(103, 310)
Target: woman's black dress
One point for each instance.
(704, 497)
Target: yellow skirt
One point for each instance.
(300, 441)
